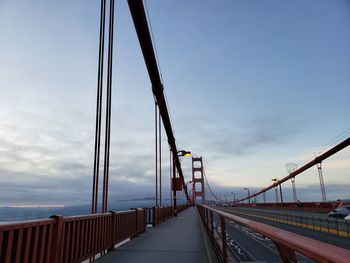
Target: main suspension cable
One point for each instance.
(211, 191)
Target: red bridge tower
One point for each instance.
(197, 180)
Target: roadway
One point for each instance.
(247, 245)
(314, 221)
(286, 211)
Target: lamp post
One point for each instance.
(179, 154)
(276, 180)
(187, 183)
(264, 197)
(184, 153)
(234, 197)
(248, 194)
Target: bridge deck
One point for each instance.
(179, 239)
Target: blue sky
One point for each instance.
(251, 85)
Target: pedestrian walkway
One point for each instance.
(179, 239)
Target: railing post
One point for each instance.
(286, 254)
(158, 215)
(149, 216)
(153, 216)
(113, 230)
(223, 238)
(207, 216)
(211, 224)
(56, 245)
(137, 220)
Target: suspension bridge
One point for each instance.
(205, 228)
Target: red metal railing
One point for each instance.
(156, 215)
(68, 239)
(287, 243)
(305, 206)
(28, 241)
(74, 238)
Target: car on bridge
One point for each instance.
(340, 212)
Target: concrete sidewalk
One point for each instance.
(177, 240)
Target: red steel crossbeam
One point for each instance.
(310, 164)
(286, 242)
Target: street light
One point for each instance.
(187, 183)
(248, 194)
(184, 153)
(234, 196)
(225, 198)
(264, 197)
(179, 154)
(276, 180)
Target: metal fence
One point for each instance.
(157, 215)
(336, 226)
(74, 238)
(287, 243)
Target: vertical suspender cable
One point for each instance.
(170, 182)
(98, 109)
(108, 108)
(156, 148)
(160, 160)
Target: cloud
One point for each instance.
(48, 109)
(42, 167)
(242, 139)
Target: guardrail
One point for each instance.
(156, 215)
(287, 243)
(330, 225)
(73, 238)
(323, 207)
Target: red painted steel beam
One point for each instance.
(140, 22)
(317, 160)
(311, 248)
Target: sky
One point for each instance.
(250, 86)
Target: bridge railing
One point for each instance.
(156, 215)
(287, 243)
(73, 238)
(304, 206)
(336, 226)
(28, 240)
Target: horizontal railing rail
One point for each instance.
(73, 238)
(287, 243)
